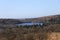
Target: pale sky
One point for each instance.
(28, 8)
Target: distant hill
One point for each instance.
(44, 19)
(9, 21)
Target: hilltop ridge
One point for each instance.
(15, 21)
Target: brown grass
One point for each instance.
(50, 32)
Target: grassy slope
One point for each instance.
(31, 33)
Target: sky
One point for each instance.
(28, 8)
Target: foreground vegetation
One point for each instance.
(29, 33)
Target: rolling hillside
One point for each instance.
(15, 21)
(51, 31)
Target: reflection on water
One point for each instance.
(29, 24)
